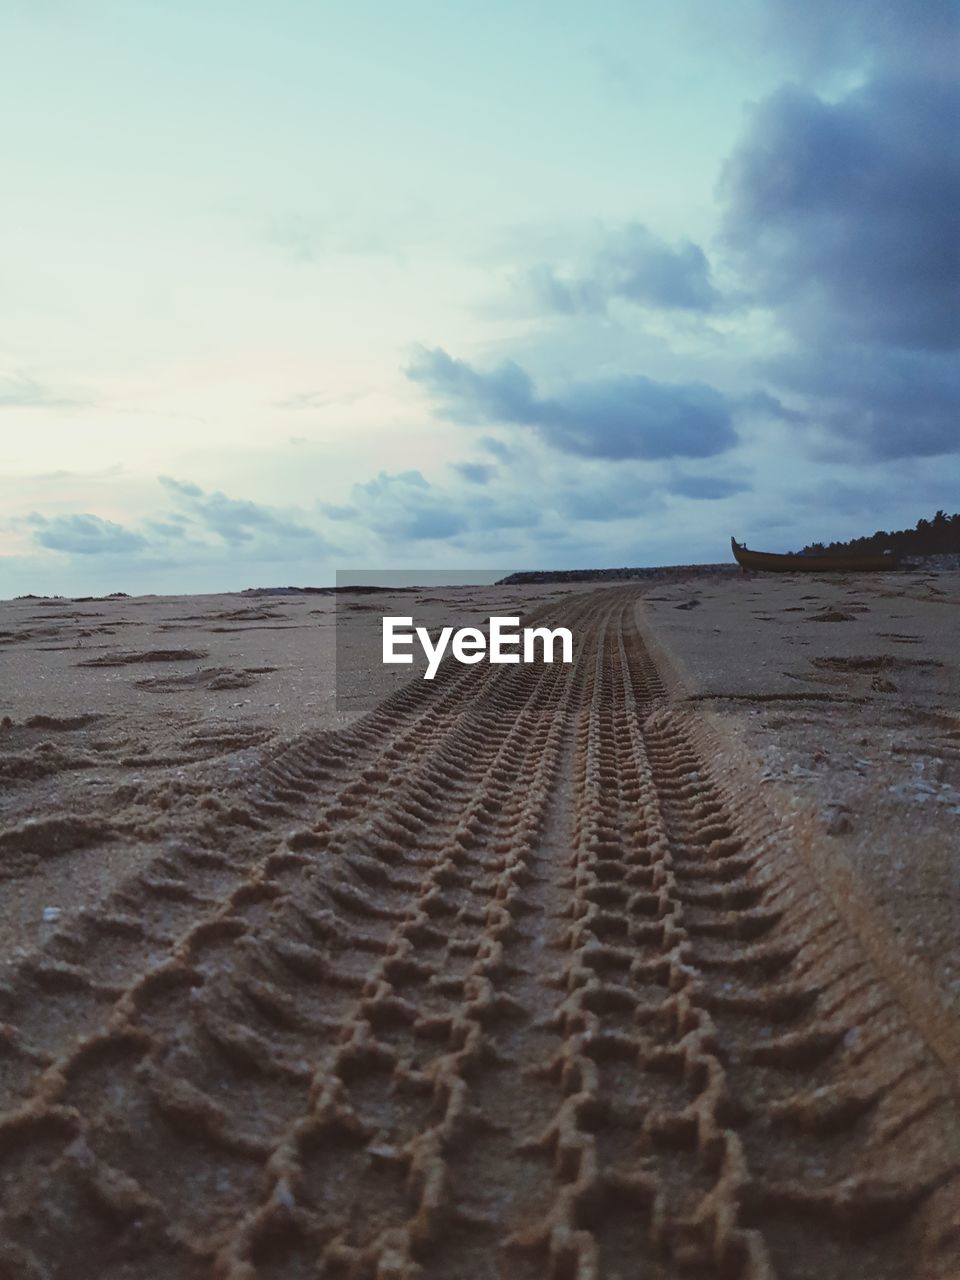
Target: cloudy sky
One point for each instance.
(295, 286)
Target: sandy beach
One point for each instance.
(534, 971)
(479, 664)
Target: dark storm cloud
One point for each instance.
(618, 417)
(475, 472)
(84, 534)
(430, 523)
(337, 511)
(499, 448)
(843, 215)
(707, 488)
(821, 35)
(595, 492)
(895, 403)
(772, 407)
(605, 495)
(208, 528)
(405, 505)
(172, 527)
(239, 521)
(636, 266)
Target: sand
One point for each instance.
(117, 707)
(848, 693)
(642, 966)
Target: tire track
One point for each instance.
(531, 989)
(449, 747)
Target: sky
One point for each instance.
(295, 287)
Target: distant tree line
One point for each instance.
(939, 536)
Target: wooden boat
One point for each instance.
(840, 562)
